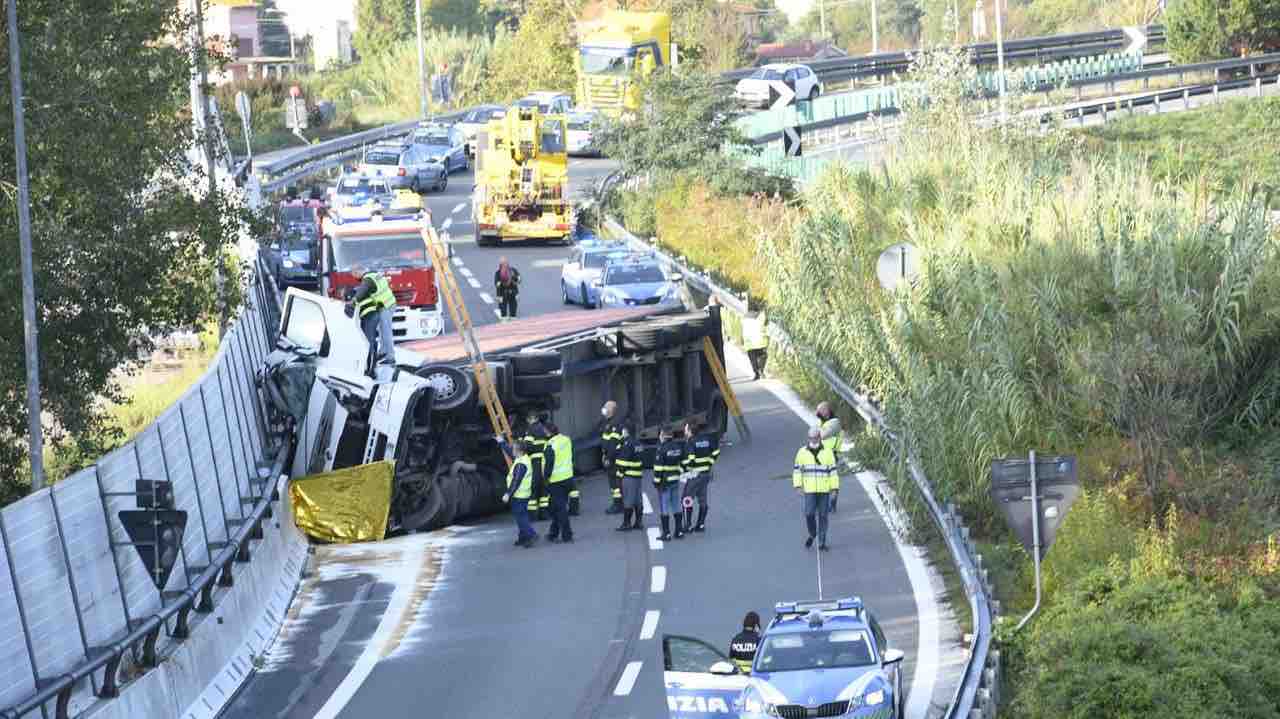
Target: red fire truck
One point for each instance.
(391, 244)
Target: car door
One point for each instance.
(458, 148)
(789, 79)
(699, 679)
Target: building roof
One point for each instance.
(804, 49)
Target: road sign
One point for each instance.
(791, 141)
(295, 113)
(900, 263)
(780, 95)
(1056, 484)
(1137, 40)
(157, 536)
(242, 106)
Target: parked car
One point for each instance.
(753, 90)
(475, 120)
(637, 282)
(548, 103)
(441, 144)
(579, 140)
(578, 276)
(293, 259)
(404, 166)
(355, 190)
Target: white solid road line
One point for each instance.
(628, 679)
(927, 650)
(473, 282)
(487, 299)
(648, 508)
(650, 624)
(458, 208)
(654, 542)
(658, 580)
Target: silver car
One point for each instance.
(404, 166)
(475, 121)
(358, 190)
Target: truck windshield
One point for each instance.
(607, 61)
(379, 253)
(297, 213)
(634, 275)
(351, 187)
(552, 136)
(815, 650)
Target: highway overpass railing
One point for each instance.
(977, 693)
(80, 605)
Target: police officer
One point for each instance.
(829, 424)
(703, 449)
(610, 440)
(814, 476)
(629, 468)
(519, 489)
(558, 464)
(535, 437)
(742, 648)
(667, 470)
(374, 301)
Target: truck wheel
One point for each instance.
(538, 385)
(526, 363)
(453, 387)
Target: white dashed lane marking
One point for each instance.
(465, 272)
(473, 282)
(650, 624)
(487, 299)
(458, 208)
(658, 580)
(654, 542)
(448, 222)
(628, 679)
(648, 508)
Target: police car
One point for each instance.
(637, 281)
(816, 659)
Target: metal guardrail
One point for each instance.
(977, 690)
(81, 564)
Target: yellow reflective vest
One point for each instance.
(381, 298)
(563, 448)
(525, 490)
(831, 427)
(754, 336)
(815, 472)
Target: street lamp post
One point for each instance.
(1000, 54)
(29, 335)
(875, 29)
(422, 62)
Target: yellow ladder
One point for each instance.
(462, 321)
(730, 399)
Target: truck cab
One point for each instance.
(392, 244)
(615, 52)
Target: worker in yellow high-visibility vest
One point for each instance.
(558, 464)
(829, 425)
(814, 476)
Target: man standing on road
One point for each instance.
(558, 461)
(667, 470)
(629, 468)
(535, 438)
(610, 442)
(506, 285)
(375, 302)
(742, 648)
(814, 476)
(755, 341)
(830, 427)
(703, 450)
(519, 489)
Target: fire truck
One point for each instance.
(393, 245)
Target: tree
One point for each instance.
(122, 249)
(540, 54)
(1201, 30)
(381, 24)
(463, 15)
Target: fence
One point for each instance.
(77, 602)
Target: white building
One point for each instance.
(331, 43)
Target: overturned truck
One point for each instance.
(425, 416)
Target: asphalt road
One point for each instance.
(458, 623)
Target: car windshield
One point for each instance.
(765, 73)
(432, 137)
(296, 213)
(352, 186)
(380, 253)
(634, 275)
(815, 650)
(294, 243)
(607, 61)
(597, 260)
(382, 157)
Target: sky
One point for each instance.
(304, 16)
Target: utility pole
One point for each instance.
(822, 18)
(1000, 54)
(422, 63)
(29, 336)
(198, 97)
(875, 29)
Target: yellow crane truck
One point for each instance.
(617, 50)
(522, 176)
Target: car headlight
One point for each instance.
(289, 264)
(611, 297)
(874, 698)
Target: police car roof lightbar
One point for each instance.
(828, 605)
(341, 219)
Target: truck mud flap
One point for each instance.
(346, 505)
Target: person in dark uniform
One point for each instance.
(742, 648)
(629, 468)
(703, 451)
(610, 441)
(506, 285)
(535, 436)
(667, 469)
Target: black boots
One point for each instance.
(679, 526)
(701, 526)
(637, 521)
(575, 506)
(688, 518)
(666, 528)
(626, 521)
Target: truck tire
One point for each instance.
(538, 385)
(527, 363)
(453, 387)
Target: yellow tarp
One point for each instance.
(346, 505)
